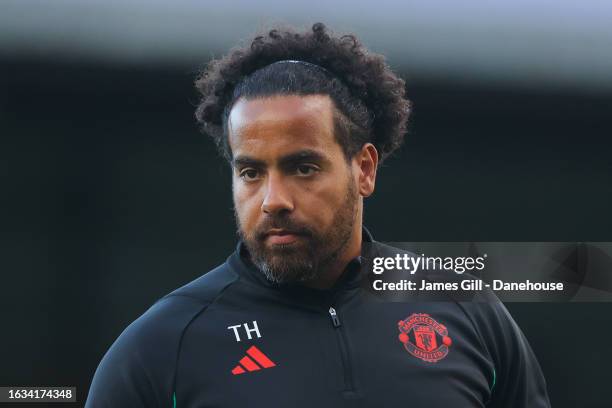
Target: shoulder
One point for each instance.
(163, 323)
(208, 287)
(139, 367)
(165, 320)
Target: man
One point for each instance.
(305, 119)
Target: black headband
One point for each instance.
(306, 63)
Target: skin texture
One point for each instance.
(298, 201)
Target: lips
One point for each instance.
(280, 237)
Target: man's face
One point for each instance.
(295, 195)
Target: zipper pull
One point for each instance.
(334, 317)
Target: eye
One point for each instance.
(305, 170)
(249, 174)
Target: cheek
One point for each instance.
(246, 205)
(322, 202)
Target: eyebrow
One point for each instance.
(302, 156)
(288, 160)
(244, 161)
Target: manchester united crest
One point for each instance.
(424, 338)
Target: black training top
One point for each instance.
(232, 339)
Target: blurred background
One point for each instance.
(111, 197)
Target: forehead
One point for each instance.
(280, 124)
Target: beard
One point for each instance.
(307, 258)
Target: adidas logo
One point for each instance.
(251, 360)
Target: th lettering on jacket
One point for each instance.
(247, 329)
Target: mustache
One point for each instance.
(283, 223)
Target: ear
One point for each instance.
(366, 161)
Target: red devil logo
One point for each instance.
(420, 333)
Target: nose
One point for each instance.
(277, 197)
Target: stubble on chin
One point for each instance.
(284, 264)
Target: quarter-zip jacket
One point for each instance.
(231, 338)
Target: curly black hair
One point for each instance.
(369, 97)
